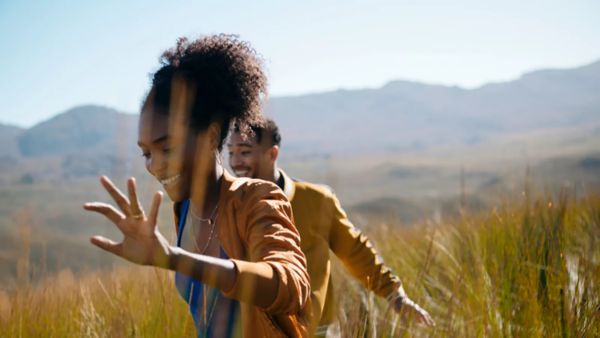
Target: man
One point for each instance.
(323, 226)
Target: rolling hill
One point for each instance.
(400, 116)
(80, 129)
(8, 139)
(405, 115)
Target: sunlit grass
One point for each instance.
(132, 302)
(524, 269)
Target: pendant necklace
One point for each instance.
(212, 222)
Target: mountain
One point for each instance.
(83, 129)
(84, 141)
(8, 139)
(405, 115)
(400, 116)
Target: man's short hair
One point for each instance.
(266, 128)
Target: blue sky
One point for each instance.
(59, 54)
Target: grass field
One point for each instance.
(526, 268)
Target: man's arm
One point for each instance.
(358, 254)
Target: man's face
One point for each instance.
(248, 158)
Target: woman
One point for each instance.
(238, 253)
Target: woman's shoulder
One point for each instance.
(243, 189)
(254, 201)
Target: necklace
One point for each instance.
(211, 221)
(207, 318)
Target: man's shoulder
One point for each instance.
(313, 189)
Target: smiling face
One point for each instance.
(169, 159)
(248, 158)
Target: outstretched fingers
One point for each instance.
(107, 210)
(135, 208)
(424, 317)
(156, 200)
(411, 309)
(428, 320)
(116, 194)
(107, 245)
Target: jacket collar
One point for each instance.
(289, 187)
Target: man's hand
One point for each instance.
(410, 310)
(142, 242)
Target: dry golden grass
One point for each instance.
(124, 302)
(524, 269)
(528, 269)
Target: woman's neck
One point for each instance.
(204, 201)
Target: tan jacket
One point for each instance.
(256, 231)
(324, 226)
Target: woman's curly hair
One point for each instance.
(225, 77)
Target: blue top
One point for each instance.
(222, 314)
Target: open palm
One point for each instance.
(142, 242)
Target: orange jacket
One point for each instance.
(256, 231)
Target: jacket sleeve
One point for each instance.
(358, 255)
(275, 276)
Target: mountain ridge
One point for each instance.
(401, 115)
(82, 128)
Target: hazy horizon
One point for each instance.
(64, 54)
(134, 112)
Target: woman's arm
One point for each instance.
(275, 278)
(143, 244)
(272, 245)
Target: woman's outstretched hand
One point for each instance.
(142, 242)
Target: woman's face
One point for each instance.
(169, 152)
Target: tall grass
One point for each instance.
(523, 269)
(132, 302)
